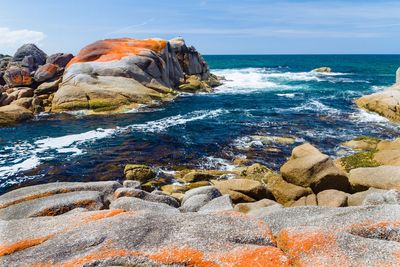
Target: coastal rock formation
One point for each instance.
(385, 103)
(323, 69)
(14, 113)
(111, 74)
(382, 177)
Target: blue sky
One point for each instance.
(214, 27)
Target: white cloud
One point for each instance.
(12, 39)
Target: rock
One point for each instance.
(386, 103)
(196, 198)
(197, 176)
(380, 198)
(30, 50)
(53, 205)
(24, 92)
(359, 160)
(137, 204)
(264, 211)
(38, 191)
(131, 184)
(383, 177)
(222, 203)
(308, 167)
(138, 172)
(284, 192)
(25, 102)
(13, 113)
(388, 152)
(268, 140)
(310, 200)
(154, 184)
(256, 172)
(248, 207)
(332, 198)
(252, 189)
(48, 87)
(45, 72)
(322, 69)
(132, 192)
(115, 74)
(365, 143)
(60, 59)
(117, 238)
(357, 199)
(17, 76)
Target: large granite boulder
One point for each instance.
(286, 193)
(60, 59)
(138, 172)
(122, 73)
(152, 197)
(308, 167)
(45, 72)
(385, 103)
(30, 52)
(17, 76)
(382, 177)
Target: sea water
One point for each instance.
(262, 96)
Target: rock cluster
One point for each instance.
(106, 76)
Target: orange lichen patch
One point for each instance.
(115, 49)
(20, 245)
(262, 256)
(311, 247)
(266, 231)
(186, 256)
(387, 230)
(102, 215)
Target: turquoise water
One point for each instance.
(262, 96)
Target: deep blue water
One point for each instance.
(263, 95)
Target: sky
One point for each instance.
(213, 27)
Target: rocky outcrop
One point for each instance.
(323, 69)
(117, 73)
(141, 173)
(385, 103)
(11, 114)
(382, 177)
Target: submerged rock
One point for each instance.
(323, 69)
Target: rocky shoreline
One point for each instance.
(315, 211)
(108, 76)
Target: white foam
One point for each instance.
(365, 116)
(312, 105)
(289, 95)
(26, 155)
(216, 163)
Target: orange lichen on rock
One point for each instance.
(115, 49)
(20, 245)
(311, 247)
(27, 198)
(103, 214)
(186, 256)
(262, 256)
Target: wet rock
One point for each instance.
(308, 167)
(132, 192)
(45, 72)
(17, 76)
(357, 199)
(222, 203)
(137, 204)
(115, 238)
(285, 193)
(138, 172)
(322, 69)
(248, 207)
(365, 143)
(197, 176)
(131, 184)
(382, 177)
(53, 205)
(59, 59)
(237, 188)
(11, 114)
(30, 50)
(332, 198)
(38, 191)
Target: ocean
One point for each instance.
(263, 95)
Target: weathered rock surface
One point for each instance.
(137, 204)
(37, 56)
(332, 198)
(382, 177)
(310, 200)
(45, 72)
(60, 59)
(380, 198)
(385, 103)
(53, 205)
(222, 203)
(322, 69)
(308, 167)
(17, 76)
(196, 198)
(357, 199)
(11, 114)
(118, 73)
(249, 207)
